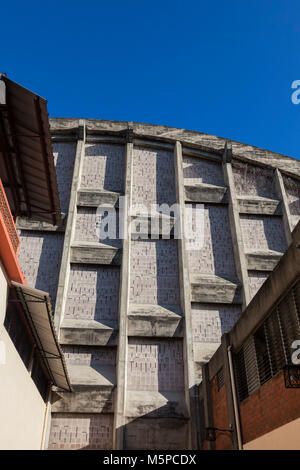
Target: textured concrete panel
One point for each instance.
(87, 221)
(211, 321)
(89, 356)
(216, 255)
(91, 366)
(64, 157)
(256, 280)
(197, 170)
(155, 365)
(39, 259)
(81, 431)
(253, 180)
(154, 272)
(93, 293)
(263, 233)
(157, 434)
(153, 177)
(292, 188)
(103, 167)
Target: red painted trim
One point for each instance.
(8, 254)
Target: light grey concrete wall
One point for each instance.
(40, 258)
(165, 314)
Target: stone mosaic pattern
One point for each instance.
(263, 233)
(93, 293)
(155, 365)
(153, 177)
(196, 170)
(87, 221)
(103, 167)
(292, 188)
(154, 272)
(64, 158)
(253, 181)
(39, 259)
(216, 255)
(210, 321)
(81, 431)
(89, 356)
(256, 280)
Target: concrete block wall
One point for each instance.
(81, 431)
(256, 280)
(155, 365)
(154, 272)
(263, 233)
(155, 380)
(252, 180)
(153, 177)
(196, 170)
(103, 167)
(216, 254)
(40, 258)
(93, 293)
(292, 187)
(64, 158)
(87, 221)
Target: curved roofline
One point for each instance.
(193, 139)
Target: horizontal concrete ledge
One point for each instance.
(262, 260)
(23, 223)
(83, 401)
(95, 253)
(156, 404)
(205, 193)
(88, 333)
(215, 289)
(109, 139)
(102, 376)
(203, 351)
(193, 152)
(95, 198)
(155, 320)
(259, 205)
(65, 138)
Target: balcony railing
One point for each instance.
(8, 220)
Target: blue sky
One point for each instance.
(219, 67)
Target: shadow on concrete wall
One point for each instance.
(114, 165)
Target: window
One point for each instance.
(19, 332)
(268, 350)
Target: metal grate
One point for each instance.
(220, 378)
(269, 349)
(8, 220)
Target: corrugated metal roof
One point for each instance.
(26, 158)
(36, 306)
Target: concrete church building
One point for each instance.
(136, 318)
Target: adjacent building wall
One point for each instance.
(22, 408)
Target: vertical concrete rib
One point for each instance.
(70, 227)
(120, 401)
(286, 216)
(185, 300)
(235, 226)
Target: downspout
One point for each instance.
(235, 402)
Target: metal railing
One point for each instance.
(8, 220)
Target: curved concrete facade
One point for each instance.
(138, 317)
